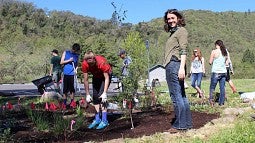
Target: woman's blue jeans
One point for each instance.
(215, 78)
(177, 93)
(196, 79)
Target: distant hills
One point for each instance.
(29, 34)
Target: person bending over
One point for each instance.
(101, 76)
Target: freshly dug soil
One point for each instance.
(145, 123)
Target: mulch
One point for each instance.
(145, 123)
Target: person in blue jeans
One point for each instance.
(218, 60)
(175, 64)
(197, 69)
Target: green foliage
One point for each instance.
(79, 121)
(79, 111)
(53, 121)
(145, 102)
(135, 48)
(40, 119)
(29, 34)
(246, 70)
(60, 124)
(248, 56)
(164, 99)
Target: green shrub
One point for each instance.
(60, 124)
(40, 119)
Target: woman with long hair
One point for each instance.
(175, 64)
(218, 60)
(197, 70)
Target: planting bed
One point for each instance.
(146, 122)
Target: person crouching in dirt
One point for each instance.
(101, 76)
(70, 61)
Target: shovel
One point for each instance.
(76, 79)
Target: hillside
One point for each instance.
(29, 34)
